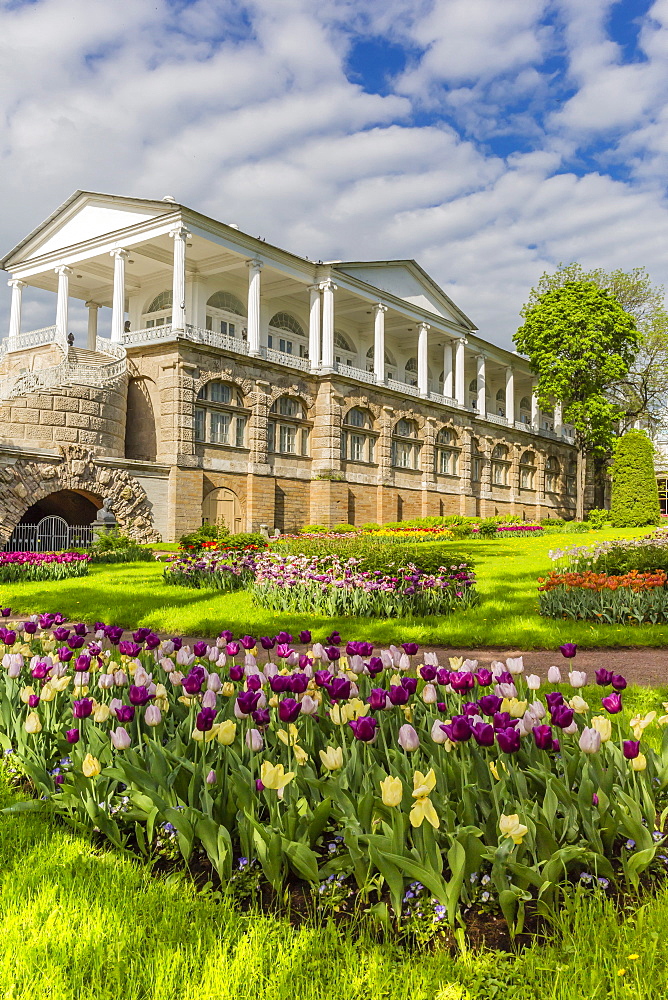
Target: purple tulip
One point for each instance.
(441, 706)
(304, 636)
(543, 737)
(64, 654)
(569, 649)
(82, 709)
(554, 699)
(594, 799)
(410, 683)
(305, 661)
(562, 716)
(322, 677)
(125, 713)
(232, 648)
(258, 785)
(279, 683)
(80, 629)
(299, 683)
(331, 640)
(398, 694)
(283, 650)
(612, 703)
(236, 672)
(484, 677)
(505, 677)
(58, 779)
(458, 730)
(9, 638)
(377, 699)
(283, 638)
(39, 671)
(333, 653)
(226, 635)
(152, 641)
(462, 682)
(72, 735)
(75, 642)
(339, 689)
(33, 701)
(503, 720)
(489, 704)
(192, 683)
(138, 694)
(428, 673)
(247, 701)
(618, 682)
(364, 728)
(248, 642)
(254, 682)
(267, 643)
(30, 628)
(375, 666)
(410, 647)
(261, 716)
(288, 710)
(200, 648)
(6, 612)
(443, 676)
(61, 634)
(470, 708)
(141, 634)
(631, 749)
(483, 734)
(205, 719)
(604, 677)
(508, 740)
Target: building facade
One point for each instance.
(243, 384)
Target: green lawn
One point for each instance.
(134, 594)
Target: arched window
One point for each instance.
(217, 416)
(288, 433)
(358, 437)
(224, 312)
(405, 445)
(527, 470)
(473, 394)
(500, 465)
(410, 371)
(552, 473)
(390, 363)
(447, 452)
(159, 311)
(477, 459)
(295, 342)
(344, 354)
(572, 478)
(501, 402)
(525, 410)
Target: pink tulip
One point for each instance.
(408, 739)
(120, 738)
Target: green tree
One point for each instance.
(635, 496)
(580, 342)
(642, 391)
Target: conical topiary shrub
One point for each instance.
(635, 495)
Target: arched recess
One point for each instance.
(141, 427)
(74, 506)
(221, 506)
(25, 483)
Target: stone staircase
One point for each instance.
(91, 359)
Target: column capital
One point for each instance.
(424, 326)
(379, 307)
(462, 340)
(255, 263)
(179, 232)
(328, 285)
(313, 288)
(92, 305)
(63, 269)
(17, 283)
(120, 252)
(481, 356)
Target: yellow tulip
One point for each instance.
(332, 758)
(199, 737)
(423, 808)
(80, 691)
(511, 827)
(392, 791)
(663, 720)
(91, 766)
(60, 683)
(33, 723)
(101, 713)
(579, 705)
(185, 700)
(227, 689)
(423, 784)
(48, 692)
(25, 694)
(358, 707)
(275, 776)
(639, 724)
(227, 732)
(395, 680)
(163, 704)
(456, 662)
(289, 738)
(602, 725)
(160, 691)
(639, 763)
(300, 755)
(517, 708)
(273, 701)
(493, 768)
(342, 713)
(408, 712)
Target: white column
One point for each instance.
(328, 289)
(448, 389)
(118, 302)
(482, 389)
(62, 303)
(535, 412)
(179, 236)
(510, 395)
(423, 358)
(379, 342)
(460, 359)
(15, 313)
(314, 327)
(558, 419)
(254, 269)
(92, 325)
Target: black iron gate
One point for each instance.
(51, 534)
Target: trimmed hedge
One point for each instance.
(635, 497)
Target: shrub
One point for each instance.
(461, 531)
(244, 540)
(342, 529)
(195, 541)
(598, 518)
(313, 529)
(371, 526)
(487, 528)
(635, 497)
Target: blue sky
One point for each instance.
(489, 139)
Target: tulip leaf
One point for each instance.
(303, 860)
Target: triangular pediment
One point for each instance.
(407, 280)
(85, 216)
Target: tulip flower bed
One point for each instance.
(224, 571)
(331, 586)
(634, 598)
(19, 566)
(377, 773)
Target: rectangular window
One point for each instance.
(220, 428)
(219, 392)
(476, 470)
(150, 323)
(371, 447)
(287, 439)
(526, 479)
(208, 323)
(200, 423)
(444, 463)
(285, 346)
(305, 433)
(240, 431)
(356, 448)
(231, 330)
(270, 340)
(303, 351)
(271, 436)
(499, 474)
(344, 446)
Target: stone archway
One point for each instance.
(74, 506)
(26, 483)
